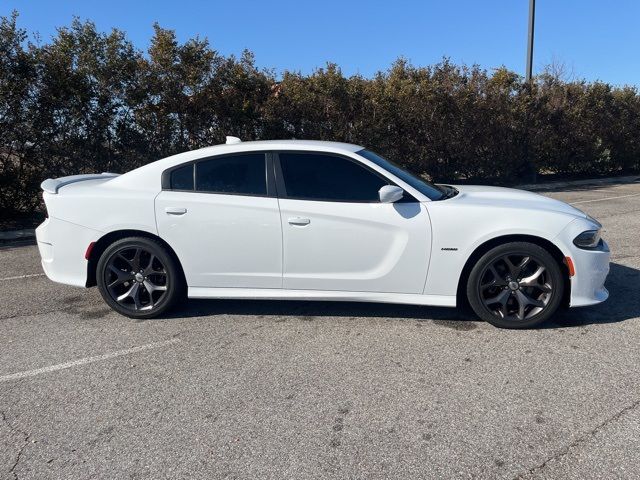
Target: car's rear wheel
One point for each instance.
(138, 277)
(516, 285)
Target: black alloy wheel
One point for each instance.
(516, 285)
(138, 278)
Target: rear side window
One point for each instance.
(238, 174)
(326, 177)
(182, 178)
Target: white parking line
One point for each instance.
(84, 361)
(606, 198)
(22, 276)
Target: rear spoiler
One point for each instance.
(52, 185)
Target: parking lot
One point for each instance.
(258, 389)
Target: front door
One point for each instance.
(338, 236)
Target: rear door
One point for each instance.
(338, 236)
(221, 217)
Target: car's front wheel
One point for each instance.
(138, 277)
(516, 285)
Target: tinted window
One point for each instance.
(429, 190)
(242, 174)
(326, 177)
(182, 178)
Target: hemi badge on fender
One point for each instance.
(452, 249)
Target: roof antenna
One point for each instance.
(232, 140)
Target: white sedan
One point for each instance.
(311, 220)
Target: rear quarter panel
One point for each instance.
(104, 207)
(82, 213)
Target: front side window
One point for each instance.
(317, 176)
(237, 174)
(427, 189)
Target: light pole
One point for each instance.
(532, 16)
(529, 169)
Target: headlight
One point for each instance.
(588, 239)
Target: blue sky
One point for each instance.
(594, 39)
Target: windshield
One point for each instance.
(429, 190)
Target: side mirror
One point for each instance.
(390, 194)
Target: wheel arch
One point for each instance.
(103, 242)
(553, 249)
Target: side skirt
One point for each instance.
(322, 295)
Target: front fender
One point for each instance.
(458, 232)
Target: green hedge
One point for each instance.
(88, 101)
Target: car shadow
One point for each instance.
(623, 304)
(303, 309)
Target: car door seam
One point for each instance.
(426, 275)
(155, 213)
(281, 245)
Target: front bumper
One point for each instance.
(591, 270)
(591, 266)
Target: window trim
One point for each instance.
(270, 181)
(282, 191)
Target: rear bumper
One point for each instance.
(62, 246)
(592, 268)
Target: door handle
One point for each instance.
(299, 221)
(175, 210)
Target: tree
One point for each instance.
(89, 101)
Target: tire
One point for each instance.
(137, 277)
(516, 285)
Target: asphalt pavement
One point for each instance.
(258, 389)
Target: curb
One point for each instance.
(13, 236)
(578, 183)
